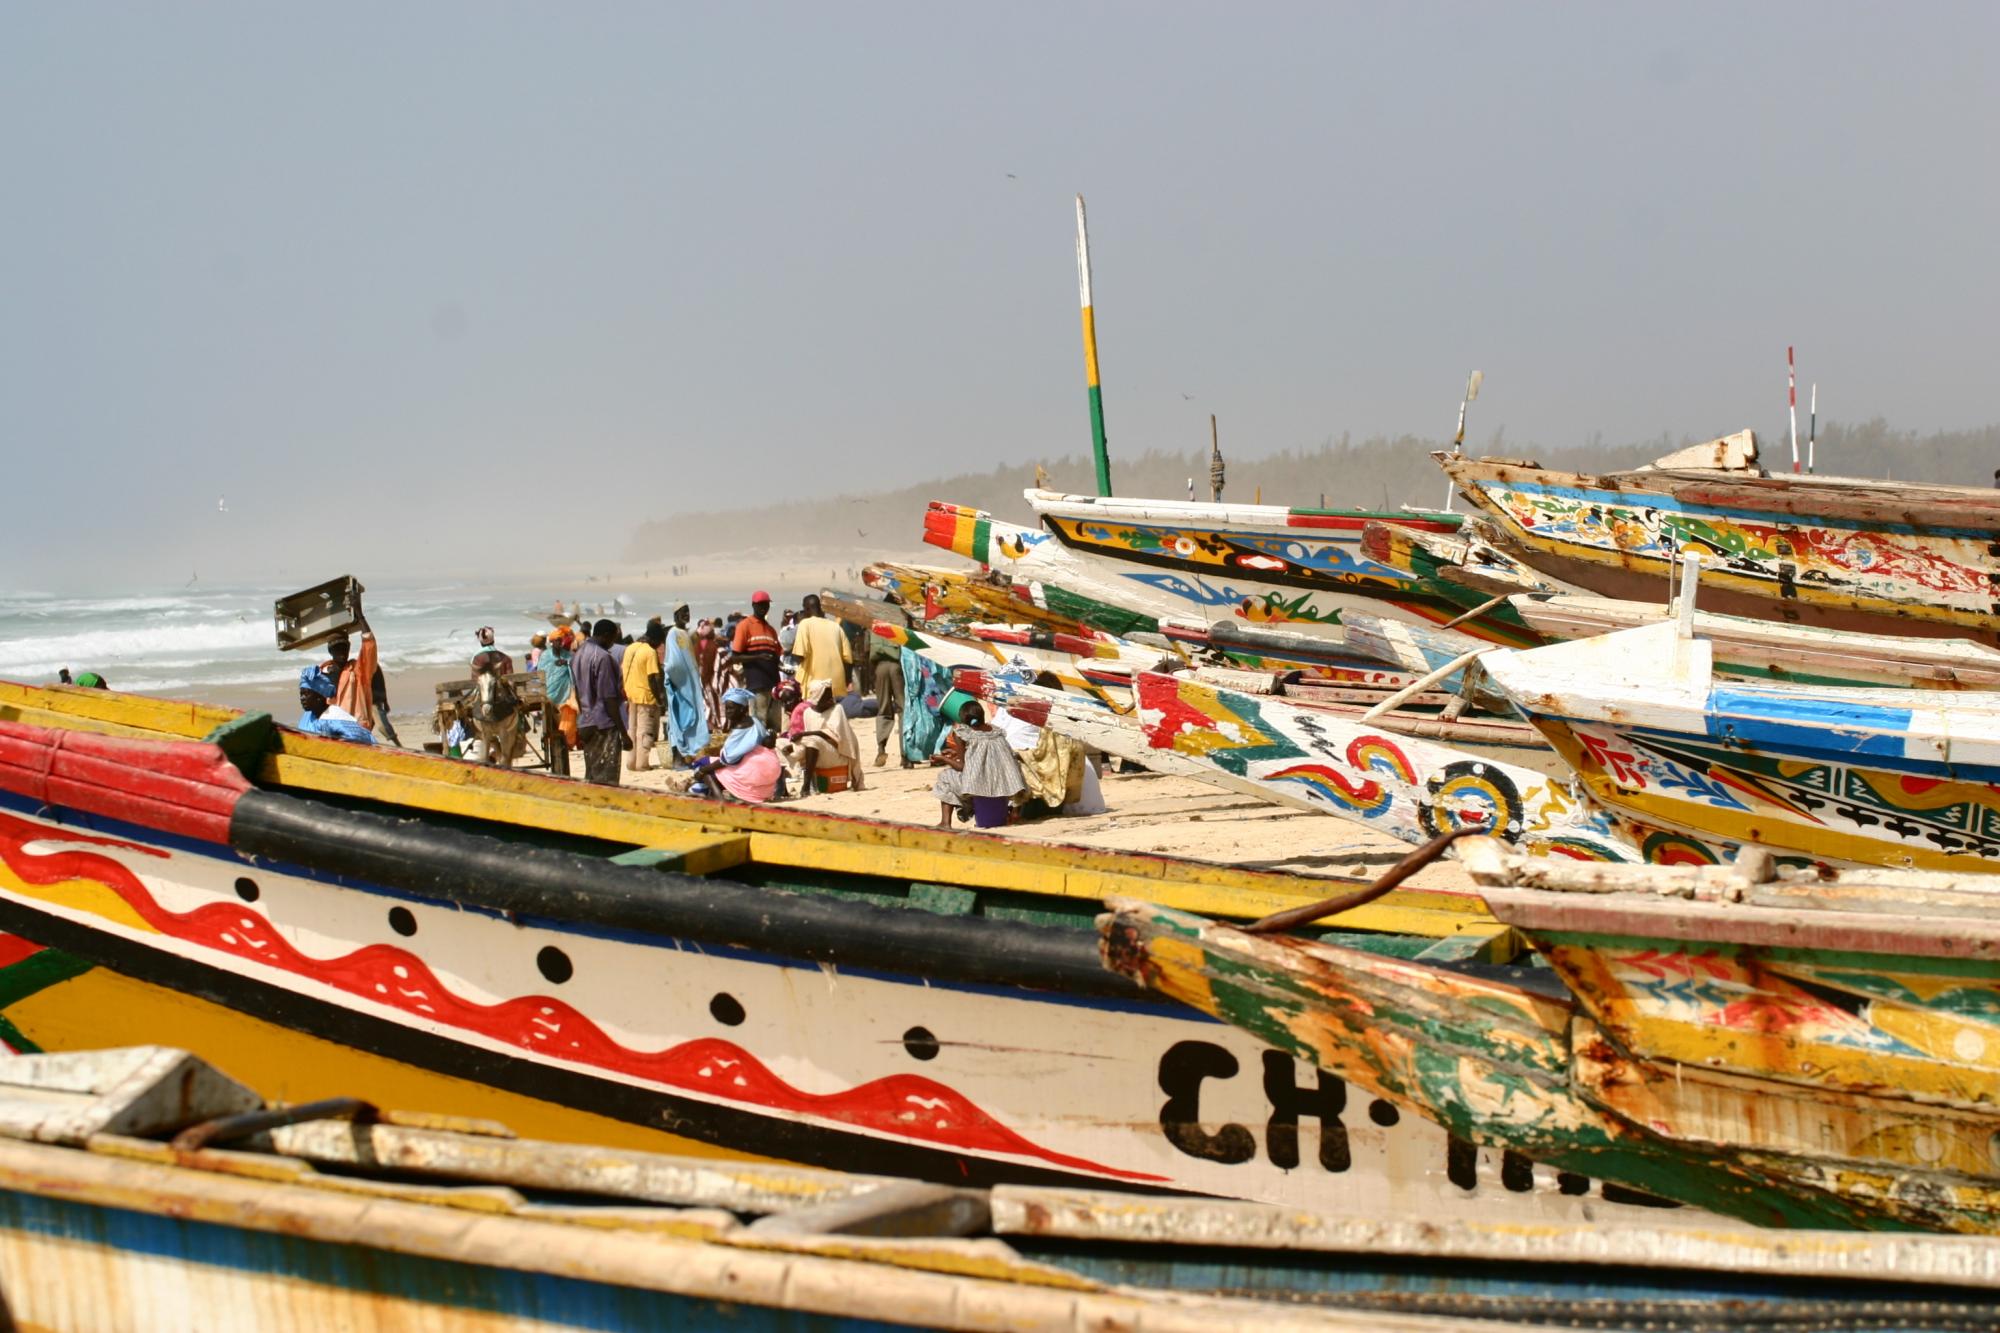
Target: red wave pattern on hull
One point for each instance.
(901, 1105)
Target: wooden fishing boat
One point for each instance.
(1351, 661)
(1792, 1048)
(143, 1180)
(1745, 648)
(1844, 776)
(1330, 762)
(465, 940)
(1299, 570)
(1401, 784)
(1879, 557)
(934, 595)
(1748, 649)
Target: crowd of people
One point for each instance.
(736, 708)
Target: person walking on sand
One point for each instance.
(639, 675)
(821, 646)
(754, 651)
(886, 661)
(686, 710)
(705, 645)
(599, 695)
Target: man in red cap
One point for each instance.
(755, 649)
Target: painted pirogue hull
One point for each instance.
(1768, 650)
(1406, 786)
(1294, 570)
(807, 1027)
(1878, 557)
(1794, 1086)
(1853, 777)
(932, 594)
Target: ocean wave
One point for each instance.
(87, 650)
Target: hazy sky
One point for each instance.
(458, 279)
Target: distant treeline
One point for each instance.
(1376, 473)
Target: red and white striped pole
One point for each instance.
(1792, 386)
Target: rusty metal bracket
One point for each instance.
(229, 1128)
(1293, 917)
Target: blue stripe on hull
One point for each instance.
(1807, 722)
(420, 1280)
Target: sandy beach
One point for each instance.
(1149, 812)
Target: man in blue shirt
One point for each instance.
(322, 716)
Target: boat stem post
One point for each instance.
(1690, 582)
(1097, 441)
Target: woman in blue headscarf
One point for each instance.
(747, 769)
(324, 717)
(687, 711)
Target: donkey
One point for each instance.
(496, 716)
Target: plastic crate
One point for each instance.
(310, 618)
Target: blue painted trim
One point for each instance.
(1793, 721)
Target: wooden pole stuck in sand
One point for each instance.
(1812, 430)
(1097, 441)
(1216, 472)
(1792, 392)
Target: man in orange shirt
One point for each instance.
(755, 651)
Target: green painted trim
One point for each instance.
(1099, 448)
(246, 740)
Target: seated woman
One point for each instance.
(322, 716)
(980, 774)
(821, 740)
(747, 769)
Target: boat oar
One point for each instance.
(1424, 682)
(1294, 917)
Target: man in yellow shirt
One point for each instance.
(821, 646)
(640, 675)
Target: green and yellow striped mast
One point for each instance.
(1097, 443)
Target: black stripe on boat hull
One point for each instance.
(548, 884)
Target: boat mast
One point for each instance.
(1097, 442)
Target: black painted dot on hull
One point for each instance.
(921, 1044)
(402, 921)
(1383, 1113)
(555, 964)
(247, 890)
(726, 1009)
